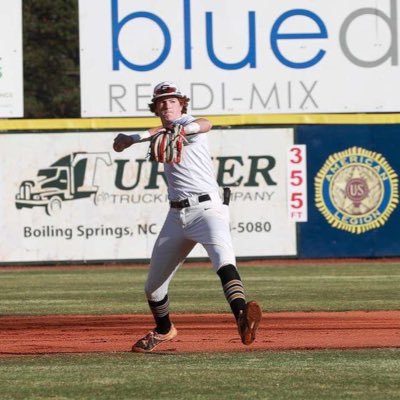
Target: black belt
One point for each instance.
(185, 202)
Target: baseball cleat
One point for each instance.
(248, 322)
(149, 342)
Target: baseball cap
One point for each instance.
(166, 89)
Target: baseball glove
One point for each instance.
(166, 146)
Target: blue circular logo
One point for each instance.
(356, 190)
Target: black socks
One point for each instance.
(160, 310)
(233, 288)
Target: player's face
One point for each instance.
(169, 109)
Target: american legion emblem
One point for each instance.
(356, 190)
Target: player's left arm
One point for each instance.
(199, 125)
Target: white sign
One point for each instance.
(69, 196)
(241, 57)
(297, 183)
(11, 76)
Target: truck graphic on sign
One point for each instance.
(69, 178)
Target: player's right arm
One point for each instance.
(123, 141)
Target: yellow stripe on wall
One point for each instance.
(217, 120)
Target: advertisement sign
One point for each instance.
(235, 57)
(11, 75)
(69, 196)
(353, 177)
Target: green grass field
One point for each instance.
(118, 290)
(328, 374)
(312, 375)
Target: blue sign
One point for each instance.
(352, 191)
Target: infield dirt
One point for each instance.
(199, 332)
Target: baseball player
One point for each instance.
(196, 215)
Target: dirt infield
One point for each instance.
(199, 333)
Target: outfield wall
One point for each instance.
(93, 205)
(305, 182)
